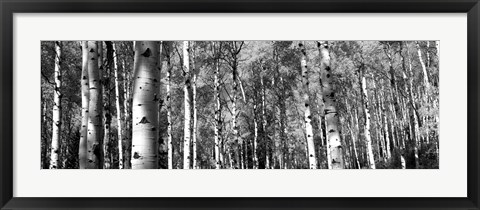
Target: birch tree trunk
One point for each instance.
(194, 104)
(57, 109)
(425, 74)
(234, 116)
(163, 146)
(413, 114)
(94, 109)
(255, 137)
(366, 107)
(385, 126)
(308, 118)
(354, 145)
(427, 86)
(186, 90)
(396, 108)
(82, 148)
(331, 115)
(264, 118)
(218, 160)
(145, 108)
(169, 109)
(120, 121)
(128, 117)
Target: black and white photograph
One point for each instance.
(232, 104)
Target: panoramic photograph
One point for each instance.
(302, 104)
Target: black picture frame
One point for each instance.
(9, 7)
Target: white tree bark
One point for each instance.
(264, 117)
(307, 115)
(416, 128)
(169, 108)
(366, 106)
(127, 104)
(425, 74)
(331, 116)
(218, 160)
(94, 109)
(82, 148)
(354, 118)
(186, 90)
(145, 108)
(120, 121)
(57, 109)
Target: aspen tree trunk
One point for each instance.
(216, 93)
(393, 119)
(403, 135)
(385, 126)
(414, 108)
(366, 107)
(320, 131)
(413, 130)
(128, 117)
(354, 146)
(145, 108)
(329, 155)
(242, 163)
(169, 109)
(264, 119)
(379, 121)
(331, 116)
(194, 104)
(234, 115)
(57, 109)
(120, 121)
(308, 118)
(425, 74)
(271, 142)
(379, 132)
(94, 109)
(82, 148)
(357, 127)
(186, 90)
(426, 83)
(404, 124)
(45, 160)
(163, 147)
(234, 51)
(246, 153)
(222, 147)
(320, 127)
(106, 107)
(283, 129)
(405, 109)
(255, 137)
(396, 107)
(282, 106)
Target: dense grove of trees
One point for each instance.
(240, 104)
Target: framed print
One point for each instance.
(270, 104)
